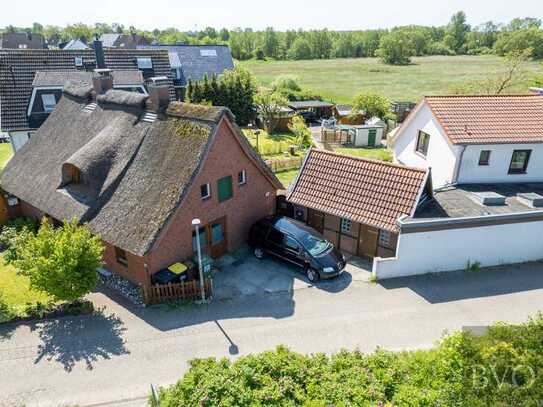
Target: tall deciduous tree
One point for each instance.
(373, 104)
(455, 37)
(396, 49)
(270, 104)
(61, 262)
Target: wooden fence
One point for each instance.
(190, 290)
(285, 164)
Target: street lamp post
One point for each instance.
(196, 223)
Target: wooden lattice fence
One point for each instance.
(190, 290)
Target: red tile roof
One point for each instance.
(489, 119)
(366, 191)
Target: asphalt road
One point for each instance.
(111, 359)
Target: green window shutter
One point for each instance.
(224, 186)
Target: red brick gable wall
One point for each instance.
(249, 203)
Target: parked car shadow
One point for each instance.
(459, 285)
(71, 340)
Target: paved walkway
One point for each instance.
(110, 359)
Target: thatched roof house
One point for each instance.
(138, 169)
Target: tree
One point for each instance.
(455, 37)
(270, 104)
(61, 262)
(373, 104)
(531, 38)
(271, 43)
(300, 49)
(396, 49)
(303, 135)
(513, 73)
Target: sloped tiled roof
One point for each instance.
(59, 78)
(371, 192)
(18, 69)
(196, 61)
(489, 119)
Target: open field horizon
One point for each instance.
(338, 80)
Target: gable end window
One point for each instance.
(205, 191)
(49, 102)
(519, 161)
(242, 177)
(224, 187)
(120, 255)
(423, 139)
(484, 157)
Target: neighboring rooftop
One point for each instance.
(467, 200)
(126, 41)
(195, 61)
(489, 119)
(18, 69)
(22, 41)
(75, 44)
(309, 104)
(59, 78)
(366, 191)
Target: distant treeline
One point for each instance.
(456, 38)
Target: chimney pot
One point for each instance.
(102, 81)
(159, 97)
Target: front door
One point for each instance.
(315, 219)
(216, 232)
(372, 134)
(367, 241)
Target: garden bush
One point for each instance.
(500, 368)
(14, 232)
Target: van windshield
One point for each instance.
(315, 245)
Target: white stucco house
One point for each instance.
(484, 155)
(474, 139)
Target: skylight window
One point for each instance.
(208, 52)
(78, 61)
(145, 63)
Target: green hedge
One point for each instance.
(501, 368)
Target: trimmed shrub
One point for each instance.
(499, 368)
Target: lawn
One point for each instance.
(5, 154)
(270, 145)
(287, 177)
(15, 291)
(381, 154)
(339, 80)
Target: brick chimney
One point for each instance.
(102, 81)
(159, 95)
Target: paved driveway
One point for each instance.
(110, 359)
(243, 275)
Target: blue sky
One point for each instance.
(281, 14)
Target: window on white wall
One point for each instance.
(519, 161)
(484, 157)
(423, 140)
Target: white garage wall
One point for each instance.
(452, 249)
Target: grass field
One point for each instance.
(381, 154)
(5, 154)
(339, 80)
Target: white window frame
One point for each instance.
(208, 187)
(345, 225)
(243, 177)
(47, 107)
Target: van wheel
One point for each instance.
(259, 253)
(312, 275)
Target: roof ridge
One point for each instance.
(472, 95)
(370, 160)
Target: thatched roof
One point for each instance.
(134, 174)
